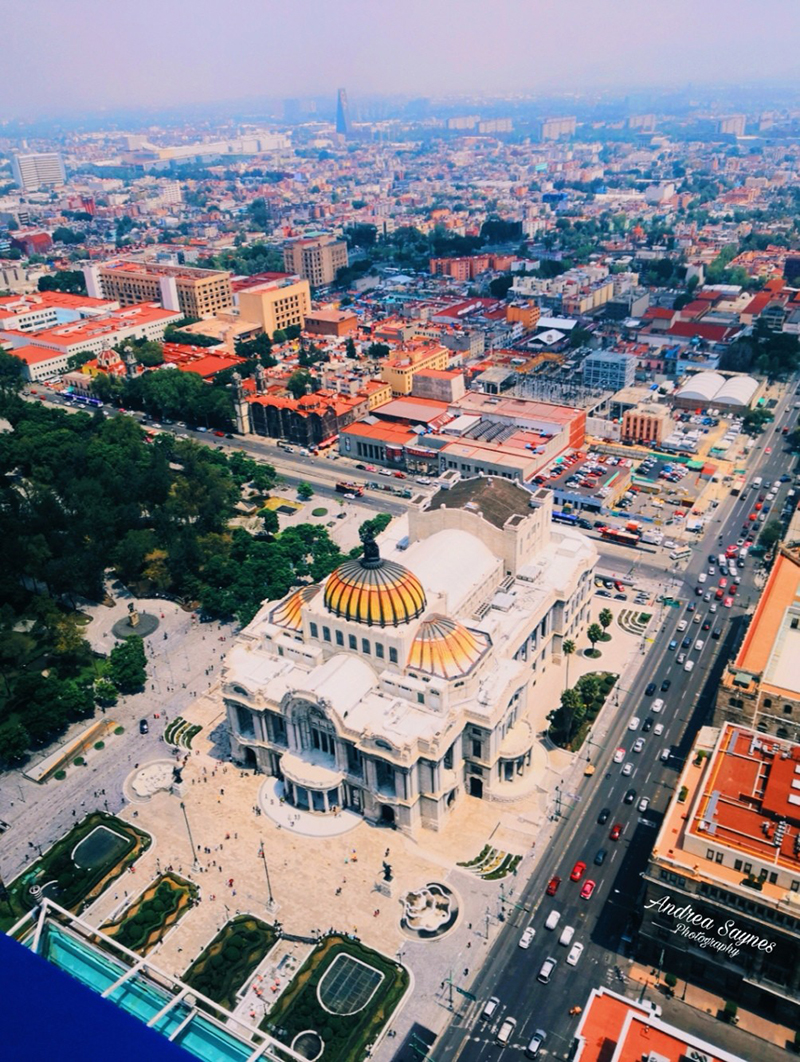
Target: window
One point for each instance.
(718, 857)
(392, 655)
(339, 638)
(352, 641)
(379, 650)
(767, 702)
(314, 630)
(795, 886)
(326, 633)
(748, 868)
(477, 749)
(365, 649)
(420, 698)
(773, 878)
(737, 864)
(787, 709)
(709, 853)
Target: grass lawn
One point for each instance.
(75, 887)
(346, 1036)
(146, 921)
(229, 960)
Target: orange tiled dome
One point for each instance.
(371, 590)
(444, 647)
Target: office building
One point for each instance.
(342, 113)
(42, 170)
(316, 259)
(608, 370)
(399, 370)
(646, 424)
(732, 125)
(274, 300)
(557, 128)
(392, 689)
(195, 292)
(721, 903)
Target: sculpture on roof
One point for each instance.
(372, 554)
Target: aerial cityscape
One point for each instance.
(400, 498)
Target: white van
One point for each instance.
(552, 920)
(567, 933)
(491, 1006)
(689, 665)
(546, 971)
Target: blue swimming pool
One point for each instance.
(140, 997)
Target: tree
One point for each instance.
(568, 648)
(10, 373)
(71, 281)
(105, 693)
(127, 665)
(579, 337)
(65, 235)
(594, 634)
(270, 521)
(771, 534)
(500, 286)
(305, 491)
(350, 348)
(755, 420)
(298, 382)
(378, 350)
(14, 742)
(564, 720)
(606, 618)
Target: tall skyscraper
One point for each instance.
(38, 171)
(342, 113)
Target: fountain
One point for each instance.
(429, 912)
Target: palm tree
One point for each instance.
(594, 634)
(568, 648)
(606, 618)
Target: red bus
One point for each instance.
(622, 538)
(350, 488)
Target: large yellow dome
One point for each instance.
(445, 648)
(374, 591)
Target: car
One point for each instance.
(707, 596)
(687, 641)
(698, 591)
(144, 726)
(577, 871)
(552, 886)
(719, 594)
(638, 745)
(634, 723)
(698, 645)
(681, 657)
(619, 755)
(712, 607)
(697, 619)
(538, 1038)
(220, 434)
(644, 804)
(673, 644)
(658, 729)
(423, 481)
(630, 796)
(647, 724)
(701, 578)
(527, 937)
(616, 831)
(665, 685)
(691, 606)
(767, 449)
(489, 1009)
(620, 597)
(608, 584)
(657, 705)
(603, 593)
(707, 625)
(506, 1030)
(650, 689)
(575, 953)
(688, 666)
(627, 770)
(716, 634)
(546, 972)
(733, 589)
(567, 933)
(604, 816)
(728, 602)
(552, 920)
(682, 625)
(588, 888)
(723, 583)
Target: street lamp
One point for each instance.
(189, 832)
(263, 855)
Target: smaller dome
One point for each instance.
(289, 613)
(445, 648)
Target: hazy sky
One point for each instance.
(73, 54)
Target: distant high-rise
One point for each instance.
(43, 170)
(342, 113)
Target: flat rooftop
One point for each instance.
(498, 499)
(771, 646)
(161, 270)
(521, 408)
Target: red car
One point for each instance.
(723, 583)
(577, 872)
(221, 434)
(587, 890)
(752, 517)
(767, 449)
(552, 887)
(719, 594)
(759, 506)
(616, 831)
(728, 602)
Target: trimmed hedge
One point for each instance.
(146, 922)
(230, 959)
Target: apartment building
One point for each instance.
(557, 128)
(275, 300)
(316, 259)
(39, 170)
(721, 901)
(195, 292)
(399, 371)
(646, 424)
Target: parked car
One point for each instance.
(527, 937)
(552, 886)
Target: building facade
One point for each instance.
(608, 370)
(721, 902)
(277, 302)
(384, 690)
(646, 424)
(40, 170)
(317, 259)
(195, 292)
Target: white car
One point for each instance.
(699, 645)
(567, 933)
(619, 755)
(681, 657)
(634, 723)
(627, 769)
(712, 607)
(701, 578)
(657, 705)
(658, 729)
(638, 745)
(575, 953)
(644, 804)
(527, 937)
(682, 625)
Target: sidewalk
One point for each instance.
(689, 995)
